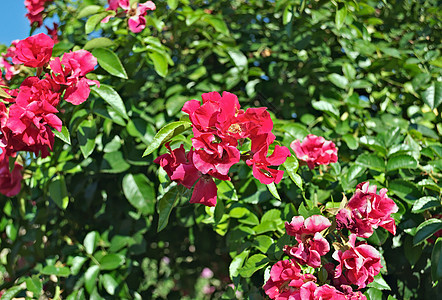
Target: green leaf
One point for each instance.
(34, 285)
(57, 271)
(77, 263)
(291, 165)
(11, 293)
(351, 141)
(326, 106)
(373, 294)
(237, 263)
(217, 22)
(427, 229)
(433, 95)
(341, 14)
(173, 4)
(108, 94)
(262, 243)
(63, 135)
(238, 58)
(253, 264)
(100, 42)
(349, 71)
(139, 192)
(338, 80)
(90, 276)
(111, 261)
(402, 161)
(86, 135)
(379, 283)
(425, 203)
(371, 161)
(110, 62)
(436, 260)
(109, 283)
(166, 133)
(114, 162)
(89, 10)
(3, 94)
(412, 253)
(165, 205)
(93, 21)
(59, 192)
(159, 63)
(91, 241)
(273, 190)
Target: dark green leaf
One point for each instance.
(90, 276)
(111, 261)
(108, 94)
(93, 21)
(114, 162)
(89, 10)
(110, 62)
(425, 203)
(86, 135)
(165, 134)
(253, 264)
(109, 283)
(34, 285)
(426, 230)
(402, 161)
(90, 241)
(379, 283)
(11, 293)
(160, 63)
(433, 95)
(341, 14)
(436, 260)
(100, 42)
(57, 271)
(351, 141)
(63, 135)
(165, 205)
(140, 192)
(338, 80)
(371, 161)
(217, 22)
(59, 193)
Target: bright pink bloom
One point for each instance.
(34, 51)
(327, 292)
(35, 10)
(286, 282)
(359, 264)
(315, 151)
(70, 72)
(180, 167)
(137, 22)
(311, 244)
(28, 126)
(10, 70)
(53, 32)
(10, 182)
(366, 211)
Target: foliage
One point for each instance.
(97, 219)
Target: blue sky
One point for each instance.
(13, 23)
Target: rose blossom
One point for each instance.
(366, 211)
(10, 181)
(34, 51)
(311, 244)
(359, 264)
(315, 151)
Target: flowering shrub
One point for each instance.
(115, 184)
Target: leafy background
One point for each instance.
(97, 220)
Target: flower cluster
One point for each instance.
(367, 211)
(219, 126)
(136, 13)
(315, 150)
(27, 122)
(10, 181)
(357, 262)
(35, 10)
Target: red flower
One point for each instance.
(35, 10)
(10, 182)
(70, 72)
(367, 211)
(359, 264)
(53, 33)
(34, 51)
(180, 167)
(311, 245)
(137, 21)
(315, 151)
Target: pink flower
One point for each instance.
(10, 70)
(366, 211)
(35, 10)
(327, 292)
(28, 124)
(180, 168)
(34, 51)
(70, 72)
(10, 182)
(137, 21)
(359, 264)
(311, 244)
(315, 151)
(53, 32)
